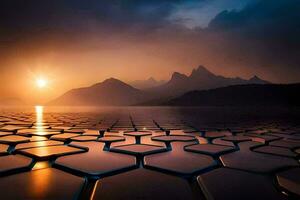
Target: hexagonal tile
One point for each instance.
(14, 162)
(290, 180)
(111, 139)
(3, 149)
(210, 149)
(233, 184)
(257, 162)
(146, 184)
(285, 144)
(262, 138)
(173, 160)
(91, 132)
(84, 138)
(128, 140)
(219, 141)
(13, 139)
(148, 139)
(39, 132)
(64, 136)
(12, 128)
(38, 144)
(216, 134)
(4, 133)
(96, 161)
(41, 184)
(173, 138)
(276, 151)
(286, 136)
(237, 138)
(138, 149)
(46, 152)
(138, 134)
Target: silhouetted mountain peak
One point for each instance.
(201, 71)
(257, 80)
(178, 76)
(148, 83)
(152, 79)
(113, 84)
(111, 80)
(109, 92)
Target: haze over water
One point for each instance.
(198, 117)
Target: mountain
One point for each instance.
(144, 84)
(113, 92)
(199, 79)
(110, 92)
(242, 95)
(256, 80)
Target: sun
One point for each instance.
(41, 83)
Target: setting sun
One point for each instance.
(41, 83)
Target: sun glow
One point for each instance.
(41, 83)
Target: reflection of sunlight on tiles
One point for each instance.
(39, 118)
(94, 190)
(44, 151)
(40, 182)
(41, 165)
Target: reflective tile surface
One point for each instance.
(149, 153)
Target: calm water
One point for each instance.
(199, 117)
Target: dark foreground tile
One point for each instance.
(223, 184)
(290, 180)
(138, 149)
(276, 151)
(210, 149)
(248, 160)
(41, 184)
(142, 184)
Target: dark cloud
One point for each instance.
(19, 18)
(262, 37)
(267, 32)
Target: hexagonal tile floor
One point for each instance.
(116, 155)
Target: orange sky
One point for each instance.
(67, 68)
(78, 44)
(86, 63)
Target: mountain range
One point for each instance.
(145, 84)
(113, 92)
(242, 95)
(199, 79)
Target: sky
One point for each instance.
(75, 43)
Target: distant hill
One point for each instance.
(199, 79)
(111, 92)
(144, 84)
(242, 95)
